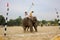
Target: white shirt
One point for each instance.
(26, 16)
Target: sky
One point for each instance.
(43, 9)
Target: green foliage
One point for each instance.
(16, 22)
(2, 20)
(44, 21)
(49, 23)
(11, 22)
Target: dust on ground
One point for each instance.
(16, 33)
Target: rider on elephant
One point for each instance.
(30, 16)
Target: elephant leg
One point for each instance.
(27, 28)
(35, 27)
(24, 29)
(31, 29)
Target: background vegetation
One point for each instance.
(18, 22)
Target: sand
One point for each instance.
(44, 33)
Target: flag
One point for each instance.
(56, 12)
(7, 4)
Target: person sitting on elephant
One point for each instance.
(31, 16)
(26, 14)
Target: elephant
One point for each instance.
(29, 24)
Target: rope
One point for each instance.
(6, 19)
(32, 4)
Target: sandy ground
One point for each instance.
(16, 33)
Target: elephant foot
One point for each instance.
(31, 29)
(36, 31)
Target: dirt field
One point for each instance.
(16, 33)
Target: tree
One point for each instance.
(56, 22)
(16, 22)
(11, 22)
(2, 20)
(44, 21)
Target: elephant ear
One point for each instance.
(35, 19)
(25, 20)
